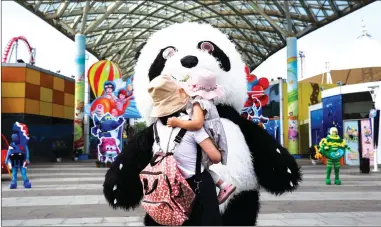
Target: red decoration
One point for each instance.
(108, 104)
(264, 82)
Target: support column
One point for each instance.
(292, 95)
(80, 44)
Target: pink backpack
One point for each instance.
(167, 196)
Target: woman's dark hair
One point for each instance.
(164, 120)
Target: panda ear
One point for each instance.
(139, 49)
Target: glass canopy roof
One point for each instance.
(115, 29)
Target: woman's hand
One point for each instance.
(173, 122)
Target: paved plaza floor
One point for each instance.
(70, 194)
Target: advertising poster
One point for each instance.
(367, 140)
(333, 114)
(114, 104)
(351, 137)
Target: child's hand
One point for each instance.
(173, 122)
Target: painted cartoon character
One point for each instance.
(351, 134)
(333, 148)
(107, 150)
(106, 124)
(368, 135)
(292, 130)
(122, 101)
(109, 88)
(18, 154)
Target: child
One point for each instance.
(202, 88)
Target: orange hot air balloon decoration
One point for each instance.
(99, 73)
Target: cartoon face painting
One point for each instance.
(292, 130)
(108, 149)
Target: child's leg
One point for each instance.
(216, 178)
(225, 189)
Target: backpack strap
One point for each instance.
(180, 136)
(197, 178)
(155, 134)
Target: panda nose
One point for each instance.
(189, 61)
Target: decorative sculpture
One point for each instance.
(18, 154)
(333, 148)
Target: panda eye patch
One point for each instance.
(207, 46)
(168, 52)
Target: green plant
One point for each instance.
(139, 126)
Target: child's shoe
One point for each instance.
(224, 193)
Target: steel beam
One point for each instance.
(84, 16)
(104, 16)
(288, 18)
(263, 14)
(117, 22)
(126, 50)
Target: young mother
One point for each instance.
(169, 101)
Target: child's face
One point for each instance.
(122, 96)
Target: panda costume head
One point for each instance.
(181, 48)
(254, 158)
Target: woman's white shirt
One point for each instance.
(185, 153)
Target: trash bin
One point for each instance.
(364, 165)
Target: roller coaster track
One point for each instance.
(14, 43)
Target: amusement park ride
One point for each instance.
(12, 47)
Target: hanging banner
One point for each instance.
(351, 137)
(367, 140)
(292, 95)
(333, 114)
(80, 41)
(316, 126)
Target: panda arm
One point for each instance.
(275, 168)
(122, 187)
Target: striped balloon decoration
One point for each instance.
(99, 73)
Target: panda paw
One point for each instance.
(278, 171)
(121, 188)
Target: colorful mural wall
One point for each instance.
(351, 137)
(263, 104)
(113, 104)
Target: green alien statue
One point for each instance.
(333, 148)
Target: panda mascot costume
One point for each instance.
(254, 160)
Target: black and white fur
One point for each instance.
(255, 159)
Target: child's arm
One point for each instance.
(193, 125)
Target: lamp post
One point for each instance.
(373, 93)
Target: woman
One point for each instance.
(170, 101)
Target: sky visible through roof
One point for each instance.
(55, 52)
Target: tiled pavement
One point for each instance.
(70, 194)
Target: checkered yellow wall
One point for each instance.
(26, 90)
